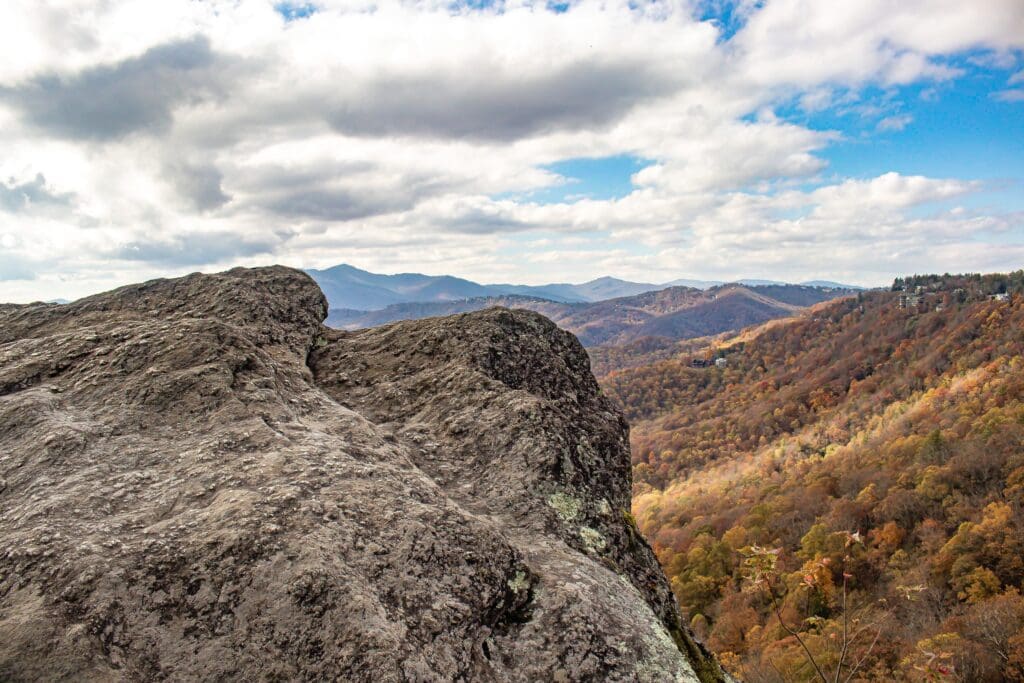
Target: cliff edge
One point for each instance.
(198, 481)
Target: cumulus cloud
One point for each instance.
(199, 184)
(337, 190)
(727, 154)
(864, 230)
(333, 204)
(807, 43)
(194, 249)
(417, 135)
(16, 197)
(113, 100)
(490, 102)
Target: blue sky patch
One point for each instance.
(293, 11)
(498, 6)
(960, 128)
(725, 15)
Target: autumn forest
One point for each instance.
(842, 498)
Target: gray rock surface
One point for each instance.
(198, 481)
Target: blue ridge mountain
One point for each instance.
(348, 287)
(674, 313)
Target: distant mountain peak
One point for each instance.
(608, 279)
(349, 287)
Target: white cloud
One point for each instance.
(894, 123)
(144, 138)
(805, 42)
(1011, 95)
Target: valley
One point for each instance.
(658, 315)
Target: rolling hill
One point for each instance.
(671, 314)
(861, 463)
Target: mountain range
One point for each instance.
(673, 313)
(348, 287)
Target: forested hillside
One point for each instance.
(846, 493)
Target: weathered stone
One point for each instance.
(201, 482)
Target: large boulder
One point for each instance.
(198, 481)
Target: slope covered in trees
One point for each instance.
(846, 493)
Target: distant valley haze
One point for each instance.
(602, 312)
(349, 287)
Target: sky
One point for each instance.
(514, 141)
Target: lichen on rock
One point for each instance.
(567, 507)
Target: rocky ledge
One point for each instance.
(198, 481)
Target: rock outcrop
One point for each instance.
(198, 481)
